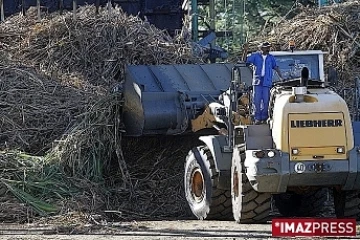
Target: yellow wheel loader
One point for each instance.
(306, 147)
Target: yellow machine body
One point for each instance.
(316, 128)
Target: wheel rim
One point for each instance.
(197, 185)
(236, 183)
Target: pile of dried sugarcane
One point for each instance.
(36, 187)
(72, 113)
(35, 110)
(88, 52)
(334, 29)
(89, 48)
(141, 177)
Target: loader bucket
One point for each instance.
(162, 99)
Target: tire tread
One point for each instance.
(220, 202)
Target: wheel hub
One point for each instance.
(197, 185)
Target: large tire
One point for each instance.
(249, 206)
(347, 204)
(205, 199)
(309, 204)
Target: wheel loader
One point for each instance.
(307, 147)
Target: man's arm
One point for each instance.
(250, 59)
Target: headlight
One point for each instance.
(271, 154)
(295, 151)
(340, 150)
(264, 153)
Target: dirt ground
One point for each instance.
(150, 230)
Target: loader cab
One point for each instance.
(291, 65)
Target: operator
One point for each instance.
(264, 63)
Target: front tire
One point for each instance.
(249, 206)
(205, 199)
(309, 204)
(347, 204)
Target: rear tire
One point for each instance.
(249, 206)
(347, 204)
(310, 204)
(205, 199)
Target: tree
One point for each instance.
(247, 18)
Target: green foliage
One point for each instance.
(246, 18)
(33, 181)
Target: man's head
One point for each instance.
(265, 47)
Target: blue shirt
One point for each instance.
(270, 64)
